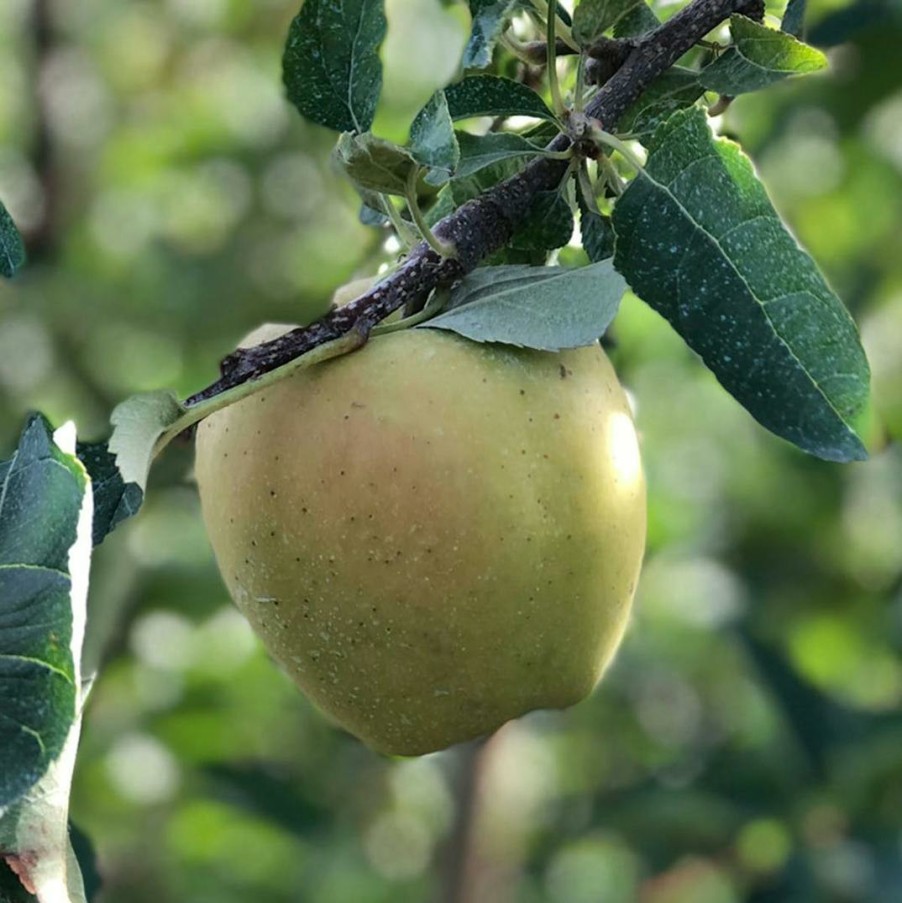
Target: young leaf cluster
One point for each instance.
(692, 233)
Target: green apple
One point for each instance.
(430, 535)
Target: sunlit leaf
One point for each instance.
(759, 57)
(698, 240)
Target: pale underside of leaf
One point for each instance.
(546, 308)
(137, 424)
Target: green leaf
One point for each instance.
(636, 21)
(45, 548)
(433, 142)
(698, 240)
(331, 66)
(114, 499)
(592, 18)
(489, 18)
(759, 57)
(673, 90)
(794, 18)
(548, 223)
(479, 151)
(137, 424)
(374, 164)
(547, 308)
(597, 234)
(491, 95)
(12, 248)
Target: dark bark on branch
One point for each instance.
(485, 224)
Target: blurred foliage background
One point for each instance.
(747, 743)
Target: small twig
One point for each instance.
(554, 85)
(442, 248)
(482, 226)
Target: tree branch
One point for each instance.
(485, 224)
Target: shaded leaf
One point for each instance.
(547, 308)
(592, 18)
(759, 57)
(12, 248)
(331, 66)
(547, 225)
(698, 240)
(114, 499)
(489, 18)
(374, 164)
(442, 206)
(480, 151)
(137, 424)
(794, 18)
(433, 142)
(492, 95)
(636, 19)
(597, 233)
(673, 90)
(465, 188)
(11, 890)
(83, 850)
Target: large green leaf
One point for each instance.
(547, 308)
(491, 95)
(698, 240)
(12, 249)
(331, 66)
(45, 546)
(759, 57)
(489, 19)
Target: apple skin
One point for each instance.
(430, 535)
